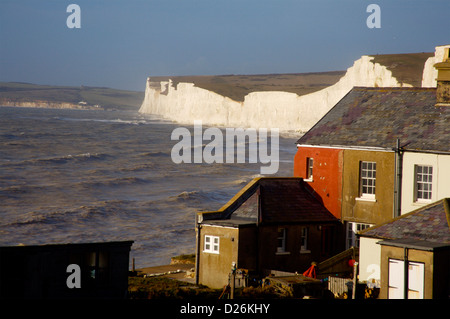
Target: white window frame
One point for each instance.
(423, 178)
(352, 230)
(367, 180)
(211, 244)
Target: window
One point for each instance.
(211, 244)
(304, 239)
(94, 266)
(309, 168)
(367, 179)
(423, 184)
(281, 239)
(352, 230)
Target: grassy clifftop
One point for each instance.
(236, 87)
(406, 67)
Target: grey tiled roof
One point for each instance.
(273, 200)
(429, 223)
(376, 117)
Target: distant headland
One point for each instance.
(63, 97)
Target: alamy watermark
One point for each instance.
(374, 19)
(74, 19)
(231, 148)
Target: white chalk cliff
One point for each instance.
(429, 72)
(271, 109)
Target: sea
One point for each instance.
(80, 176)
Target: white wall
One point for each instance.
(440, 182)
(369, 260)
(272, 109)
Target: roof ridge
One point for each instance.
(396, 88)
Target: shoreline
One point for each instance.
(50, 105)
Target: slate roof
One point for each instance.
(271, 200)
(430, 223)
(376, 117)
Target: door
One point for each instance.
(396, 277)
(415, 280)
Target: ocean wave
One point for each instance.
(63, 159)
(111, 182)
(112, 121)
(187, 195)
(155, 154)
(138, 167)
(199, 197)
(35, 217)
(86, 213)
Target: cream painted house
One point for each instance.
(426, 179)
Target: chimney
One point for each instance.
(443, 80)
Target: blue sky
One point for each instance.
(121, 43)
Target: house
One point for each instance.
(99, 271)
(379, 153)
(414, 259)
(273, 223)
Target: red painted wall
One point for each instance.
(327, 175)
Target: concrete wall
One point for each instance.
(214, 268)
(440, 183)
(273, 109)
(355, 209)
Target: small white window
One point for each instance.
(211, 244)
(352, 230)
(423, 183)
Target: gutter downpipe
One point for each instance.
(398, 180)
(197, 243)
(406, 278)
